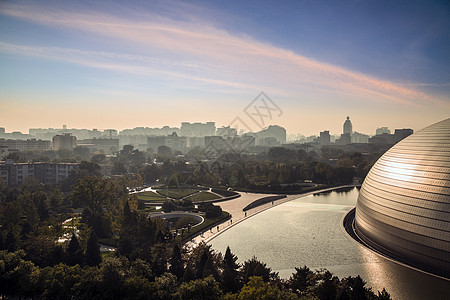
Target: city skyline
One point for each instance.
(128, 131)
(114, 65)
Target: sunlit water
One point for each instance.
(307, 231)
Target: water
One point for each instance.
(307, 231)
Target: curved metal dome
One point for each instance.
(403, 208)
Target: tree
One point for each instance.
(206, 288)
(74, 254)
(98, 158)
(176, 262)
(383, 295)
(94, 192)
(204, 261)
(58, 282)
(15, 274)
(118, 168)
(230, 274)
(257, 289)
(113, 272)
(165, 151)
(93, 257)
(301, 280)
(254, 267)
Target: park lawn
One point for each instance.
(202, 196)
(177, 193)
(150, 197)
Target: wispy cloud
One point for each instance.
(198, 51)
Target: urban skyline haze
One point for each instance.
(97, 64)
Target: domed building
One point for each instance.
(403, 209)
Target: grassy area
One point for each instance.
(224, 193)
(150, 197)
(202, 196)
(177, 193)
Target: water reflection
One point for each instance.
(307, 231)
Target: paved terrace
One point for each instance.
(235, 206)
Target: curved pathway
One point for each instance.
(235, 206)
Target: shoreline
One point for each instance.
(239, 216)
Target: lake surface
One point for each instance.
(308, 231)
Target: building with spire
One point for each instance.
(348, 127)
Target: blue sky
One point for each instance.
(123, 64)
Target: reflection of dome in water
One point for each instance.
(403, 208)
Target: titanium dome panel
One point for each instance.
(403, 208)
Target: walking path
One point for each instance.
(235, 206)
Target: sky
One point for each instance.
(305, 65)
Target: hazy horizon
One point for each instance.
(118, 65)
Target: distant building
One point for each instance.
(348, 127)
(109, 133)
(226, 131)
(324, 138)
(345, 139)
(400, 134)
(274, 131)
(4, 151)
(107, 146)
(384, 138)
(173, 141)
(195, 141)
(359, 138)
(47, 173)
(215, 145)
(390, 139)
(269, 142)
(65, 141)
(25, 145)
(382, 130)
(197, 129)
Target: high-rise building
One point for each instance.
(197, 129)
(173, 141)
(348, 127)
(25, 145)
(47, 173)
(324, 138)
(400, 134)
(65, 141)
(105, 145)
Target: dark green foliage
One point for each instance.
(147, 265)
(176, 262)
(256, 288)
(206, 288)
(301, 280)
(211, 211)
(43, 251)
(169, 206)
(254, 267)
(118, 168)
(383, 295)
(93, 257)
(74, 253)
(15, 273)
(230, 274)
